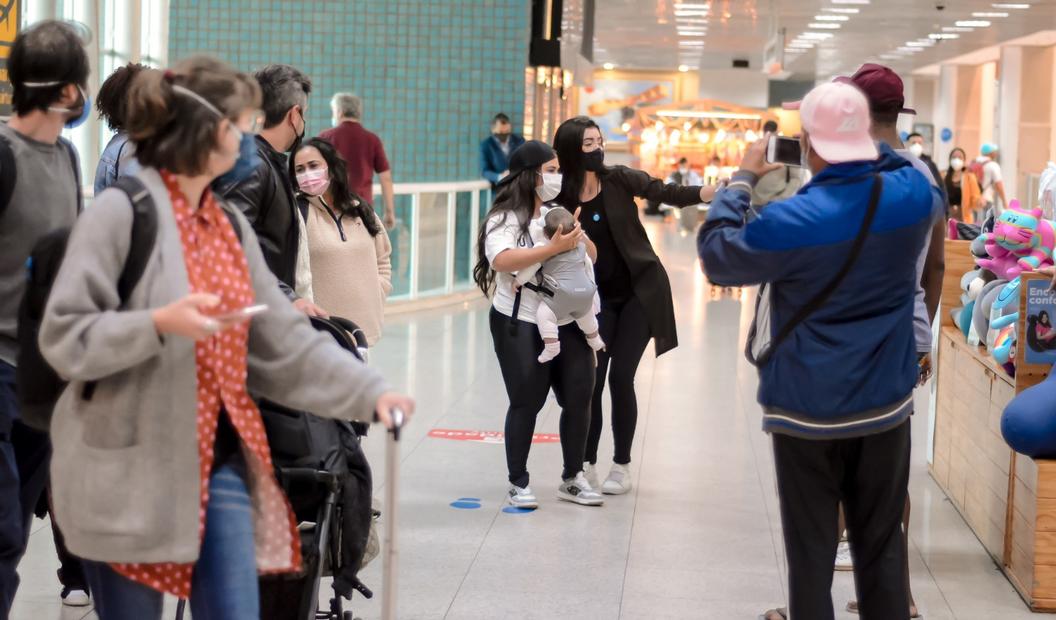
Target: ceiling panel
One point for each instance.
(645, 33)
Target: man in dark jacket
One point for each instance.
(266, 196)
(838, 391)
(495, 150)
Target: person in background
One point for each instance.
(915, 145)
(780, 183)
(48, 69)
(506, 246)
(495, 150)
(173, 489)
(838, 392)
(962, 187)
(349, 249)
(636, 303)
(118, 158)
(713, 171)
(265, 196)
(993, 182)
(685, 176)
(884, 90)
(362, 151)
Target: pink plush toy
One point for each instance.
(1022, 241)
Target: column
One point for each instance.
(1008, 120)
(943, 114)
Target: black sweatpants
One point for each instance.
(625, 329)
(870, 476)
(570, 374)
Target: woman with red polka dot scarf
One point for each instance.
(162, 477)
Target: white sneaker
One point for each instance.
(578, 491)
(74, 597)
(522, 498)
(590, 472)
(843, 557)
(619, 480)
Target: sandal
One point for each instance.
(775, 614)
(852, 606)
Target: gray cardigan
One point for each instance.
(125, 470)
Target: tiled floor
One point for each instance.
(698, 538)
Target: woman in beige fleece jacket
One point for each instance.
(349, 248)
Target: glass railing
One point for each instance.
(434, 242)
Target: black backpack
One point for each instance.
(37, 383)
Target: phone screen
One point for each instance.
(785, 151)
(243, 313)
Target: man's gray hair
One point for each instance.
(347, 105)
(283, 87)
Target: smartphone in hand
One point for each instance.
(782, 150)
(243, 313)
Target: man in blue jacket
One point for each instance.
(837, 392)
(495, 150)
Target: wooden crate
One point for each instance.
(1009, 500)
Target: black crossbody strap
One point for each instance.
(820, 299)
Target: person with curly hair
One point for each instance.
(118, 158)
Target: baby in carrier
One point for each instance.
(567, 289)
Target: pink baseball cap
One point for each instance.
(836, 117)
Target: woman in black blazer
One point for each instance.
(636, 303)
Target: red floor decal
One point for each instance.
(487, 436)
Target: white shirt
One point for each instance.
(991, 177)
(502, 235)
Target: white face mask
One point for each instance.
(551, 186)
(917, 149)
(957, 164)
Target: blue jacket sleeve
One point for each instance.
(727, 254)
(486, 170)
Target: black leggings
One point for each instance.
(625, 329)
(528, 383)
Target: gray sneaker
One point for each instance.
(590, 471)
(619, 480)
(522, 498)
(578, 491)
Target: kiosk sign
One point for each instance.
(10, 17)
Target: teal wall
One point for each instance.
(432, 73)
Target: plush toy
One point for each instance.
(971, 284)
(981, 313)
(1022, 241)
(1029, 421)
(1004, 346)
(1004, 312)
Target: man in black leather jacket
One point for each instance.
(266, 197)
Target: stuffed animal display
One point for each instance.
(1022, 240)
(1028, 424)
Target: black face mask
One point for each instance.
(502, 137)
(300, 137)
(594, 161)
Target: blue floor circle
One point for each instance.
(466, 503)
(513, 510)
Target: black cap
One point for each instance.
(528, 156)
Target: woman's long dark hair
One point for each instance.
(568, 142)
(345, 200)
(515, 199)
(950, 171)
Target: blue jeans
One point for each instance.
(224, 585)
(24, 455)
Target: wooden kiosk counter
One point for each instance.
(1009, 500)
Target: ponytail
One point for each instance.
(150, 106)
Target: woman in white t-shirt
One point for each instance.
(506, 246)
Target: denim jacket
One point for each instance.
(116, 161)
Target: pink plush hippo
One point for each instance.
(1022, 241)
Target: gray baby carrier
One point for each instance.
(573, 287)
